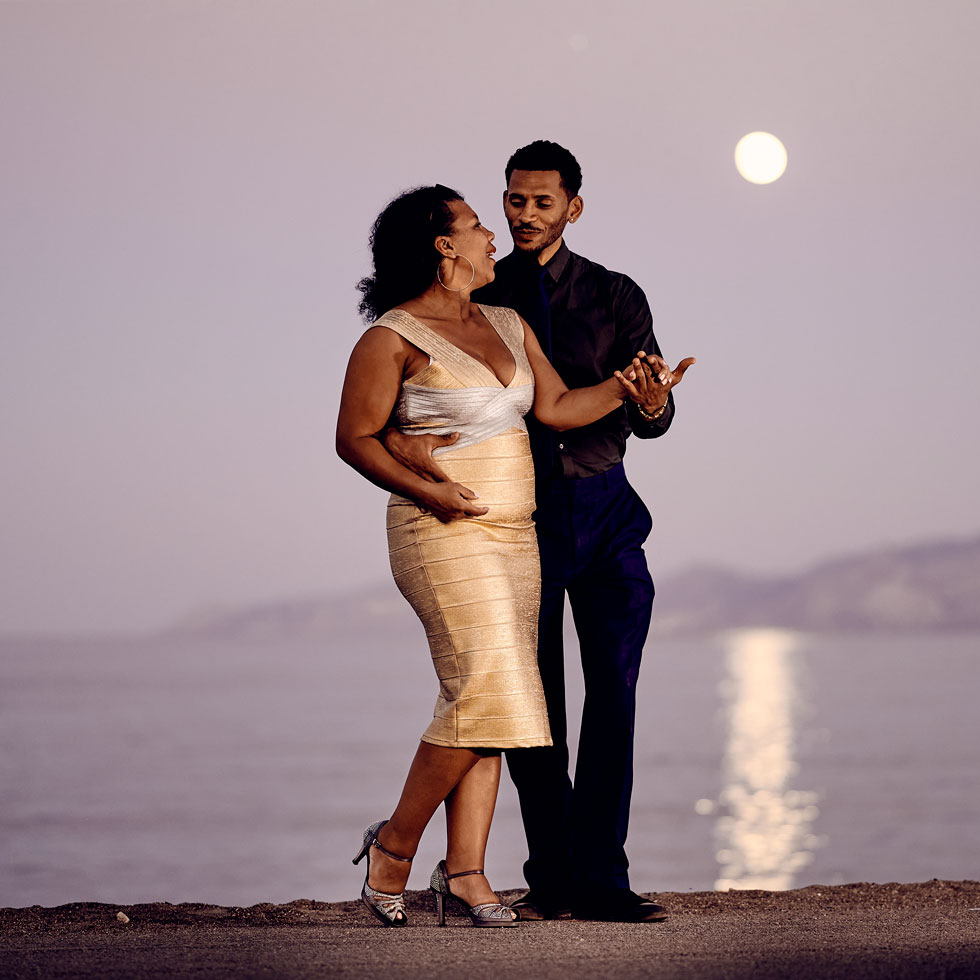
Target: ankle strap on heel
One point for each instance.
(463, 874)
(384, 850)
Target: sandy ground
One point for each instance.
(892, 931)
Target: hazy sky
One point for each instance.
(186, 188)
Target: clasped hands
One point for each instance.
(647, 381)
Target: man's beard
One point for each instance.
(536, 249)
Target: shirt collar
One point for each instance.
(556, 264)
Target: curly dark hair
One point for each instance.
(405, 261)
(545, 155)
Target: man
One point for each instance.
(591, 527)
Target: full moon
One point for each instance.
(760, 158)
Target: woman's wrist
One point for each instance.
(615, 387)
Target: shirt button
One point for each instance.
(561, 445)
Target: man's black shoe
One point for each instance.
(619, 905)
(535, 907)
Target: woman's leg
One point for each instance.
(469, 811)
(435, 771)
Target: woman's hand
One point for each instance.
(449, 502)
(648, 380)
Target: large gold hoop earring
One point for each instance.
(461, 288)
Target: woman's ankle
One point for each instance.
(400, 845)
(473, 889)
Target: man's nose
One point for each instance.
(527, 213)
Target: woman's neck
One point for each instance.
(443, 304)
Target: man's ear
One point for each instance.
(575, 208)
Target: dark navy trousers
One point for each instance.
(590, 535)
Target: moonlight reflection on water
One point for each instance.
(764, 830)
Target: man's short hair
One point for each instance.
(545, 155)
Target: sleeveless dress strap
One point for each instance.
(417, 333)
(508, 324)
(469, 371)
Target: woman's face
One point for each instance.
(473, 241)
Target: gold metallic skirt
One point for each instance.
(476, 585)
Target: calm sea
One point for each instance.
(168, 770)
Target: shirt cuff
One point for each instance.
(639, 423)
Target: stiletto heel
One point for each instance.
(389, 909)
(491, 915)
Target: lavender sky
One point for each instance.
(186, 188)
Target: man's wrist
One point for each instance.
(647, 417)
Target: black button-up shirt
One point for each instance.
(599, 320)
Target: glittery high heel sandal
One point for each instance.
(389, 909)
(489, 916)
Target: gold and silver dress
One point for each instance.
(475, 583)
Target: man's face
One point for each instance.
(537, 209)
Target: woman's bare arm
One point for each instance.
(374, 377)
(556, 406)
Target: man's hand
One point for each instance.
(415, 453)
(447, 501)
(652, 382)
(451, 501)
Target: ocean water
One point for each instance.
(137, 770)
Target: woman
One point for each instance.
(462, 552)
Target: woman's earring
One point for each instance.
(461, 288)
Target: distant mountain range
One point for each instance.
(927, 587)
(933, 586)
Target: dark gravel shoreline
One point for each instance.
(863, 930)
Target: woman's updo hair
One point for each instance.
(405, 259)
